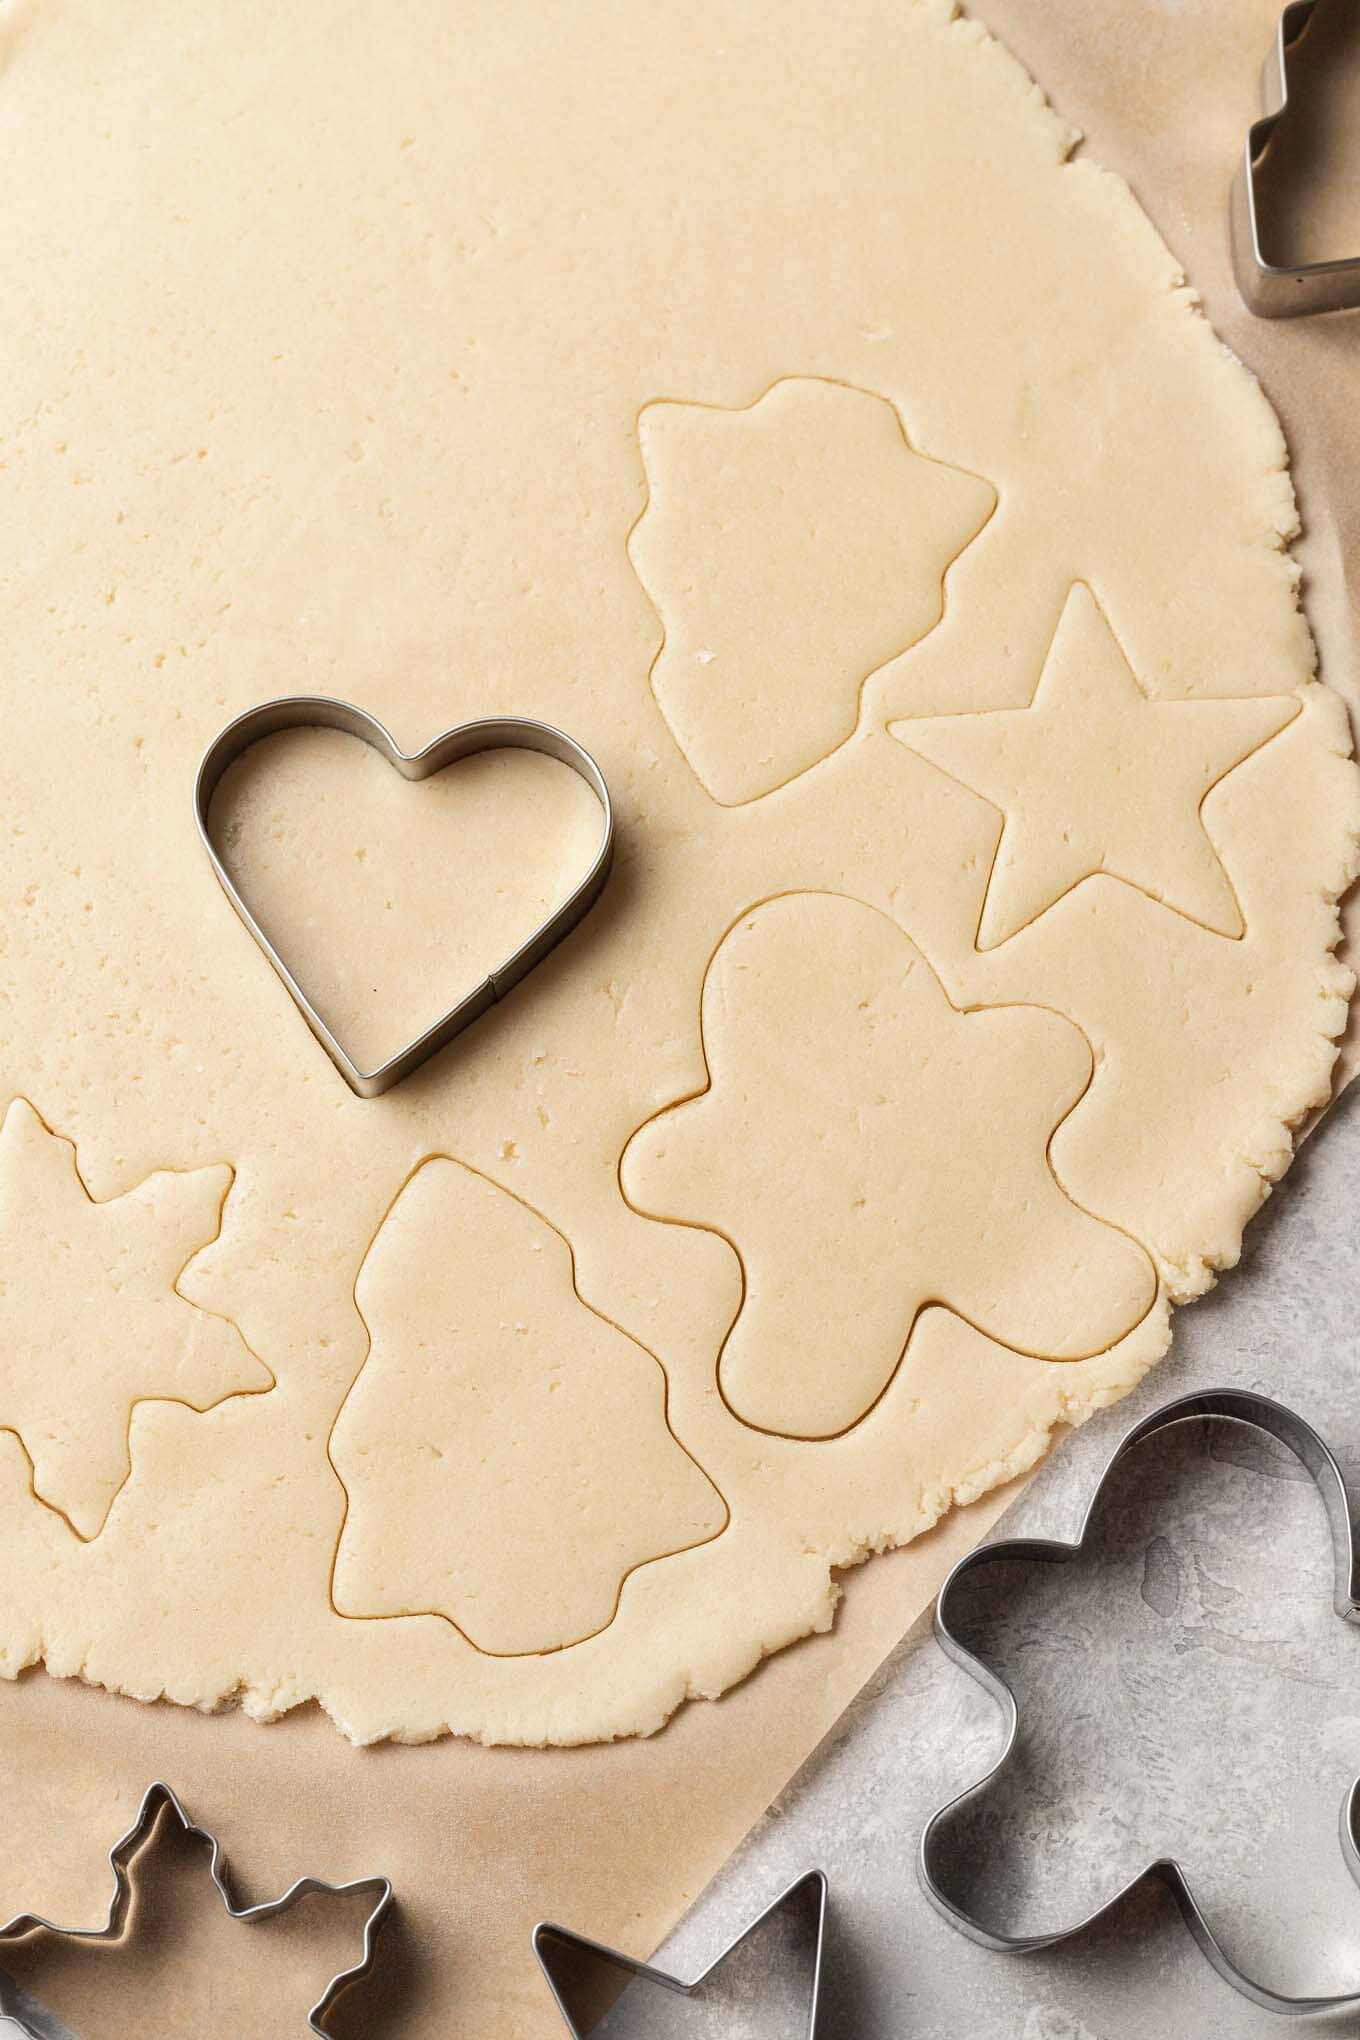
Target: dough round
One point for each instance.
(770, 399)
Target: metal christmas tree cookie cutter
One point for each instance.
(1240, 1406)
(1277, 290)
(494, 733)
(156, 1798)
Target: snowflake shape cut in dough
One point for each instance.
(819, 1014)
(1095, 777)
(92, 1318)
(790, 549)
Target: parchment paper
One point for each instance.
(617, 1841)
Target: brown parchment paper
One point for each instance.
(617, 1841)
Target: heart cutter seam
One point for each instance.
(464, 740)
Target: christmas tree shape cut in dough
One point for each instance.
(1096, 777)
(504, 1449)
(868, 1150)
(92, 1320)
(790, 549)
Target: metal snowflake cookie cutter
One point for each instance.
(494, 733)
(1277, 290)
(128, 1847)
(560, 1953)
(1240, 1406)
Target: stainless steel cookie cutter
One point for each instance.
(560, 1951)
(495, 733)
(1275, 290)
(1241, 1406)
(122, 1854)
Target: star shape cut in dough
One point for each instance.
(93, 1319)
(1095, 776)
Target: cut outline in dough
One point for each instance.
(199, 1409)
(438, 1614)
(735, 410)
(899, 725)
(934, 1303)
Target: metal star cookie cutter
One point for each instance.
(557, 1949)
(494, 733)
(1277, 290)
(1240, 1406)
(128, 1846)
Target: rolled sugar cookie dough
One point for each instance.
(770, 398)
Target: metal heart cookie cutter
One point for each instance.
(1240, 1406)
(494, 733)
(1276, 290)
(128, 1846)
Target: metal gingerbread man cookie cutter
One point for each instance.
(1275, 290)
(493, 733)
(128, 1846)
(1241, 1406)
